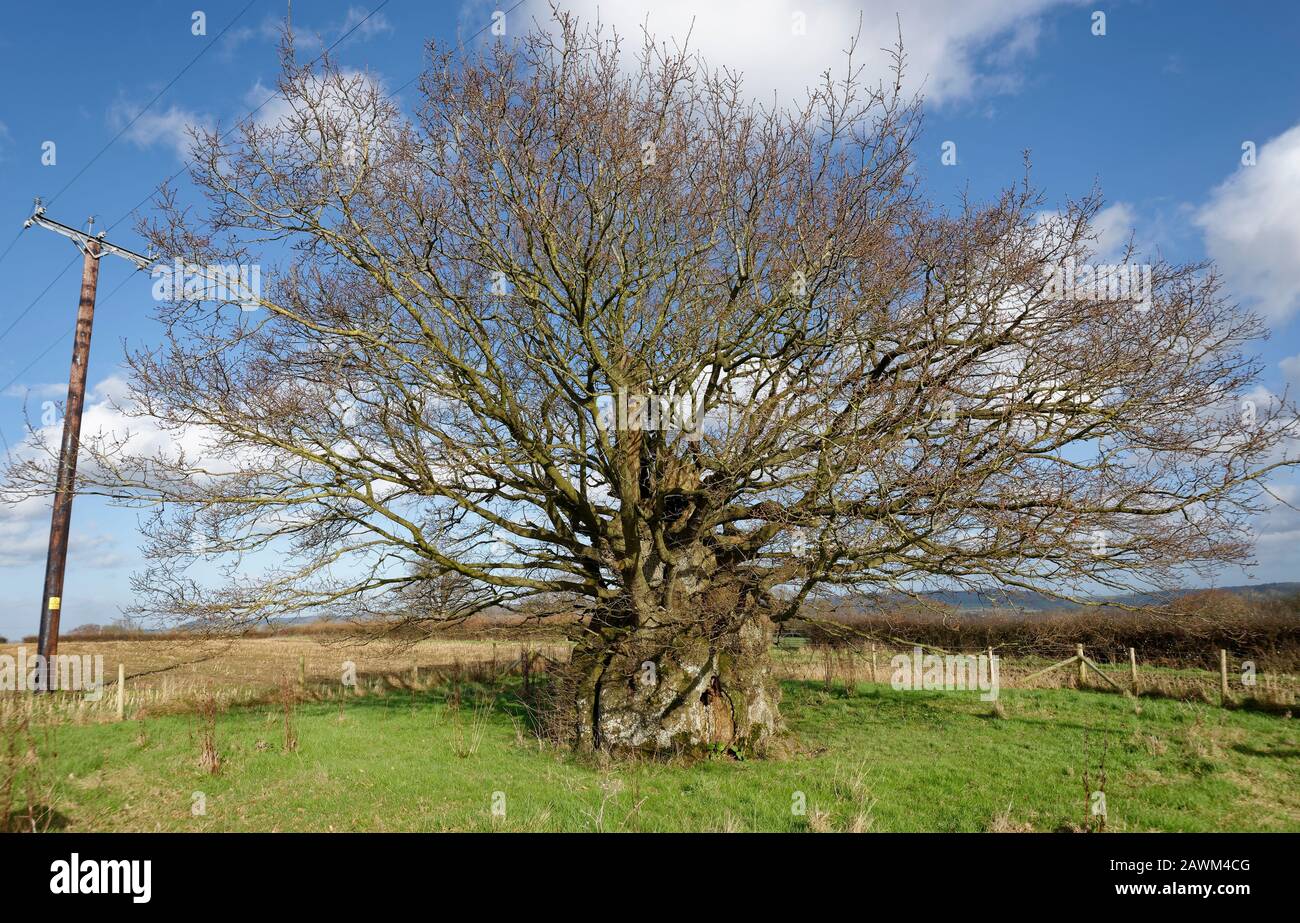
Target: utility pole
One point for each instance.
(92, 249)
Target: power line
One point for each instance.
(25, 311)
(189, 163)
(138, 115)
(186, 165)
(43, 353)
(11, 245)
(206, 48)
(461, 45)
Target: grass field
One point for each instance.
(865, 758)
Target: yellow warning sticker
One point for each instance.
(55, 602)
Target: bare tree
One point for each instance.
(591, 326)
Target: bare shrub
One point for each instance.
(466, 740)
(289, 702)
(209, 757)
(24, 792)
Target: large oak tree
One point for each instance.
(590, 325)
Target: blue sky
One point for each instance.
(1155, 111)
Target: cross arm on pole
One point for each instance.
(83, 239)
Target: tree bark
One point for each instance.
(683, 685)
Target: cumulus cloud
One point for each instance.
(42, 390)
(168, 127)
(306, 37)
(268, 30)
(273, 109)
(1252, 227)
(366, 26)
(956, 49)
(104, 422)
(1276, 533)
(1291, 371)
(1112, 228)
(1113, 225)
(340, 101)
(25, 538)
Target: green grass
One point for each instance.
(874, 759)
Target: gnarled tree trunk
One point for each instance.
(684, 684)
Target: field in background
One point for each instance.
(164, 676)
(434, 732)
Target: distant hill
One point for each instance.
(1036, 602)
(967, 600)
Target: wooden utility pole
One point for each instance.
(92, 249)
(61, 518)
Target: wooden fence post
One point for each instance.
(1083, 667)
(873, 663)
(1223, 673)
(121, 690)
(1133, 668)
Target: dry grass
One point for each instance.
(1003, 822)
(839, 668)
(209, 757)
(289, 703)
(467, 735)
(24, 790)
(174, 676)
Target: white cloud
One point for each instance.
(308, 38)
(1252, 227)
(1278, 529)
(377, 24)
(955, 48)
(268, 30)
(1291, 370)
(1113, 225)
(25, 538)
(104, 420)
(273, 109)
(169, 127)
(25, 522)
(38, 391)
(337, 103)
